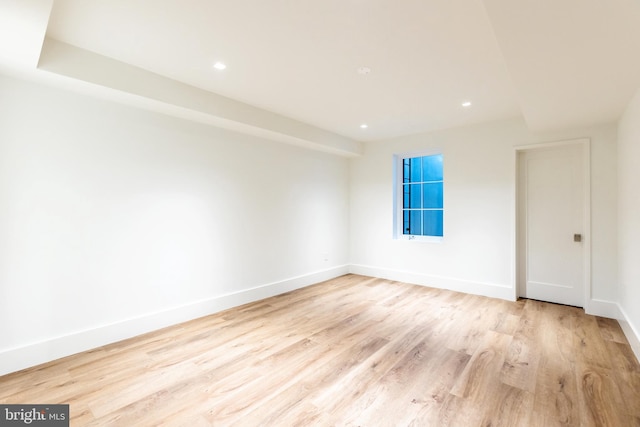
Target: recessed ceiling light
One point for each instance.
(364, 126)
(219, 66)
(466, 104)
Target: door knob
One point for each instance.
(577, 237)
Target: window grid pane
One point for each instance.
(416, 169)
(432, 168)
(432, 195)
(406, 170)
(422, 188)
(432, 222)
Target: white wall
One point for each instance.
(115, 221)
(629, 218)
(477, 253)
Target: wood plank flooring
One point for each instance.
(354, 351)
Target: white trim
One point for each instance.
(586, 152)
(18, 358)
(15, 359)
(602, 308)
(552, 144)
(631, 331)
(493, 290)
(518, 227)
(514, 226)
(586, 161)
(398, 197)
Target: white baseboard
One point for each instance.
(15, 359)
(631, 331)
(602, 308)
(454, 284)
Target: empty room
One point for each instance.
(320, 213)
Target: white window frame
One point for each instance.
(398, 199)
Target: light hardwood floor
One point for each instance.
(354, 351)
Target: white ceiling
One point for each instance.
(573, 62)
(558, 64)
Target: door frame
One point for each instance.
(519, 258)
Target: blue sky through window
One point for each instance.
(422, 190)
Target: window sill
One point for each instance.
(421, 239)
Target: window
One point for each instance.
(419, 207)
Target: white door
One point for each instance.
(552, 223)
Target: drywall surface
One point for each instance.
(118, 221)
(477, 252)
(629, 213)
